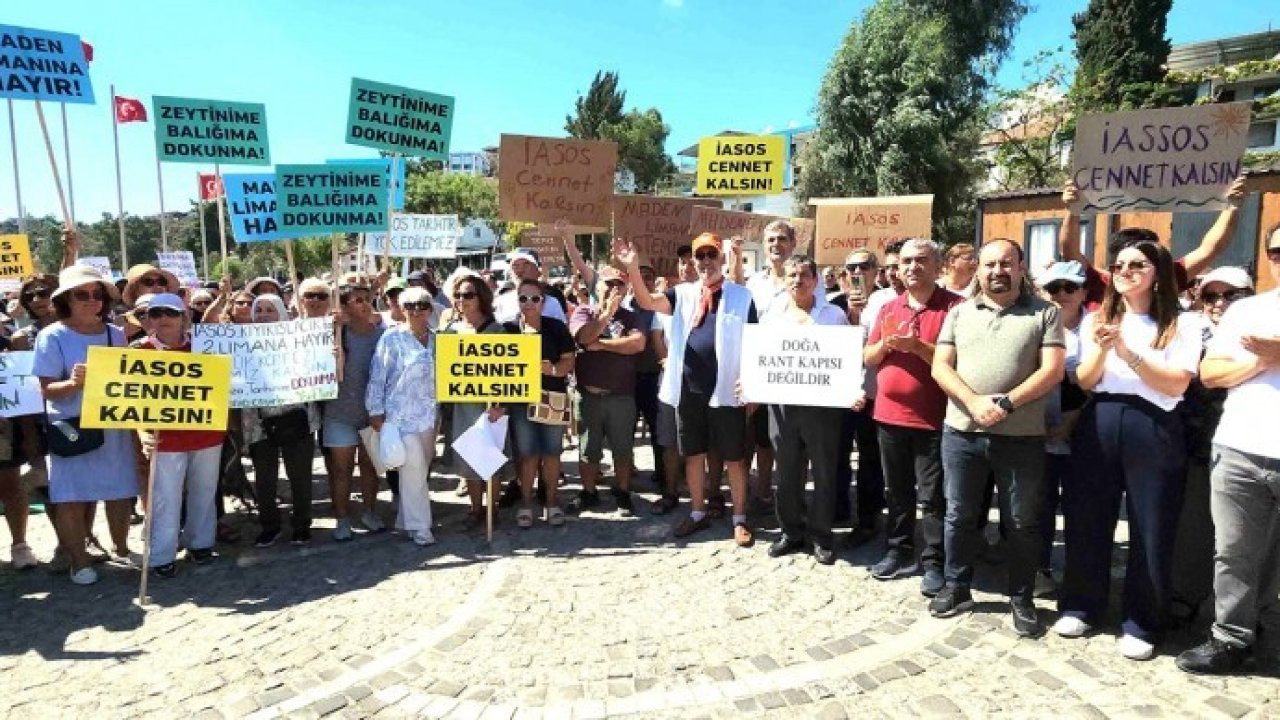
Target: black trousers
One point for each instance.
(297, 454)
(804, 437)
(912, 461)
(647, 405)
(859, 428)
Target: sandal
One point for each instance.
(665, 504)
(524, 518)
(555, 517)
(689, 526)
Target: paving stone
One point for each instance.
(909, 668)
(764, 663)
(819, 653)
(886, 673)
(720, 673)
(938, 705)
(1044, 679)
(796, 696)
(329, 705)
(866, 682)
(831, 711)
(1228, 706)
(772, 700)
(747, 704)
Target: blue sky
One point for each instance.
(514, 66)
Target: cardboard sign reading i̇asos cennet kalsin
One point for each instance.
(154, 390)
(488, 368)
(15, 256)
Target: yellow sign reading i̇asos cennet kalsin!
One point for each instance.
(488, 368)
(153, 390)
(741, 165)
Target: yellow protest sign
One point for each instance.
(153, 390)
(15, 257)
(741, 165)
(488, 368)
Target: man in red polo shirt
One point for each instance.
(909, 408)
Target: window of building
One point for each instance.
(1040, 242)
(1226, 95)
(1265, 91)
(1189, 230)
(1262, 134)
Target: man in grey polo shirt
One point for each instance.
(998, 356)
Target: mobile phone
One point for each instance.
(856, 290)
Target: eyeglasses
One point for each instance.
(317, 296)
(163, 312)
(859, 266)
(153, 281)
(1210, 298)
(1273, 254)
(708, 255)
(417, 306)
(242, 303)
(469, 295)
(41, 293)
(87, 296)
(1061, 286)
(529, 299)
(1131, 266)
(348, 299)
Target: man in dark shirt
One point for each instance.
(610, 341)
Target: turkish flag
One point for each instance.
(130, 110)
(88, 51)
(210, 186)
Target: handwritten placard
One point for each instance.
(741, 164)
(749, 226)
(43, 65)
(274, 364)
(542, 180)
(422, 236)
(656, 226)
(101, 263)
(544, 241)
(20, 392)
(848, 224)
(181, 263)
(1176, 159)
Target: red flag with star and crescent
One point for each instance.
(130, 110)
(210, 187)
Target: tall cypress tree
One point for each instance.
(1121, 48)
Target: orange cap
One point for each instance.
(707, 240)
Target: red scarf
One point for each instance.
(705, 303)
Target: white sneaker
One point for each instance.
(22, 557)
(424, 538)
(132, 560)
(372, 522)
(1135, 648)
(1069, 626)
(84, 576)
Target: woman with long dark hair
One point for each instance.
(1138, 354)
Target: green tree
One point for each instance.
(599, 108)
(1028, 126)
(435, 191)
(641, 135)
(901, 106)
(1121, 49)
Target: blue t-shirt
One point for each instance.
(700, 368)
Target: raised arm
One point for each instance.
(579, 263)
(1069, 232)
(625, 254)
(733, 259)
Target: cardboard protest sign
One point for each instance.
(749, 226)
(181, 263)
(20, 392)
(741, 165)
(848, 224)
(399, 119)
(153, 390)
(43, 65)
(15, 256)
(793, 364)
(274, 364)
(656, 226)
(194, 130)
(395, 182)
(542, 180)
(1176, 159)
(421, 236)
(547, 243)
(488, 368)
(101, 263)
(323, 199)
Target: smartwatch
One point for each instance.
(1005, 404)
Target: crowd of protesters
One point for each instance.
(1150, 388)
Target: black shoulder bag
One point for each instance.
(65, 437)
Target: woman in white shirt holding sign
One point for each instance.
(1138, 354)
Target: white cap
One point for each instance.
(1234, 276)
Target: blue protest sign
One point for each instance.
(43, 65)
(251, 202)
(397, 182)
(323, 199)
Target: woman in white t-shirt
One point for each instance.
(1138, 354)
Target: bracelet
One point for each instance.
(1137, 360)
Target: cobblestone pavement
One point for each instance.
(604, 617)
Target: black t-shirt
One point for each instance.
(556, 341)
(700, 367)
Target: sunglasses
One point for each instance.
(469, 295)
(708, 255)
(859, 266)
(348, 299)
(42, 293)
(1273, 254)
(156, 313)
(87, 296)
(1131, 266)
(1210, 298)
(319, 296)
(529, 299)
(152, 281)
(1061, 286)
(418, 306)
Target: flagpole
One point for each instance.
(204, 246)
(66, 154)
(391, 196)
(164, 225)
(222, 224)
(115, 137)
(53, 165)
(17, 180)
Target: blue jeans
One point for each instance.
(1017, 464)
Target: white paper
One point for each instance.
(20, 392)
(101, 262)
(480, 446)
(792, 364)
(181, 263)
(274, 364)
(423, 236)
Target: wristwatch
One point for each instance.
(1005, 404)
